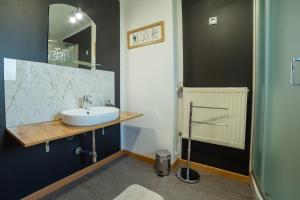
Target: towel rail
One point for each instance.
(187, 174)
(208, 123)
(206, 107)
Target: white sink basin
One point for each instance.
(89, 116)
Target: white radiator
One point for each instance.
(221, 113)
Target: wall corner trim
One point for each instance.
(255, 189)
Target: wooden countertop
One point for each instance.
(33, 134)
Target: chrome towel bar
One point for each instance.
(187, 174)
(205, 107)
(208, 123)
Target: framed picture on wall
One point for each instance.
(150, 34)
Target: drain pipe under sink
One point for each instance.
(92, 153)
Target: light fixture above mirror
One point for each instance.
(72, 37)
(77, 16)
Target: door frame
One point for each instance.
(253, 121)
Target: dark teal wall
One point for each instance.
(24, 35)
(219, 56)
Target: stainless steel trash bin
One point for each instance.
(163, 162)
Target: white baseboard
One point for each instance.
(256, 192)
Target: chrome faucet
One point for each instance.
(108, 103)
(87, 99)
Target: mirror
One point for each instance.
(71, 38)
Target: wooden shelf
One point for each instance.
(33, 134)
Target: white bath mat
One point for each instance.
(137, 192)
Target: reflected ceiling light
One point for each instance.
(79, 14)
(73, 19)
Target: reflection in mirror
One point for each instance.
(72, 37)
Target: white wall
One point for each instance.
(149, 78)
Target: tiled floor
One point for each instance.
(109, 181)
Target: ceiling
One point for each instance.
(60, 27)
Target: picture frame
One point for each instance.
(147, 35)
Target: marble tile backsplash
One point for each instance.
(41, 91)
